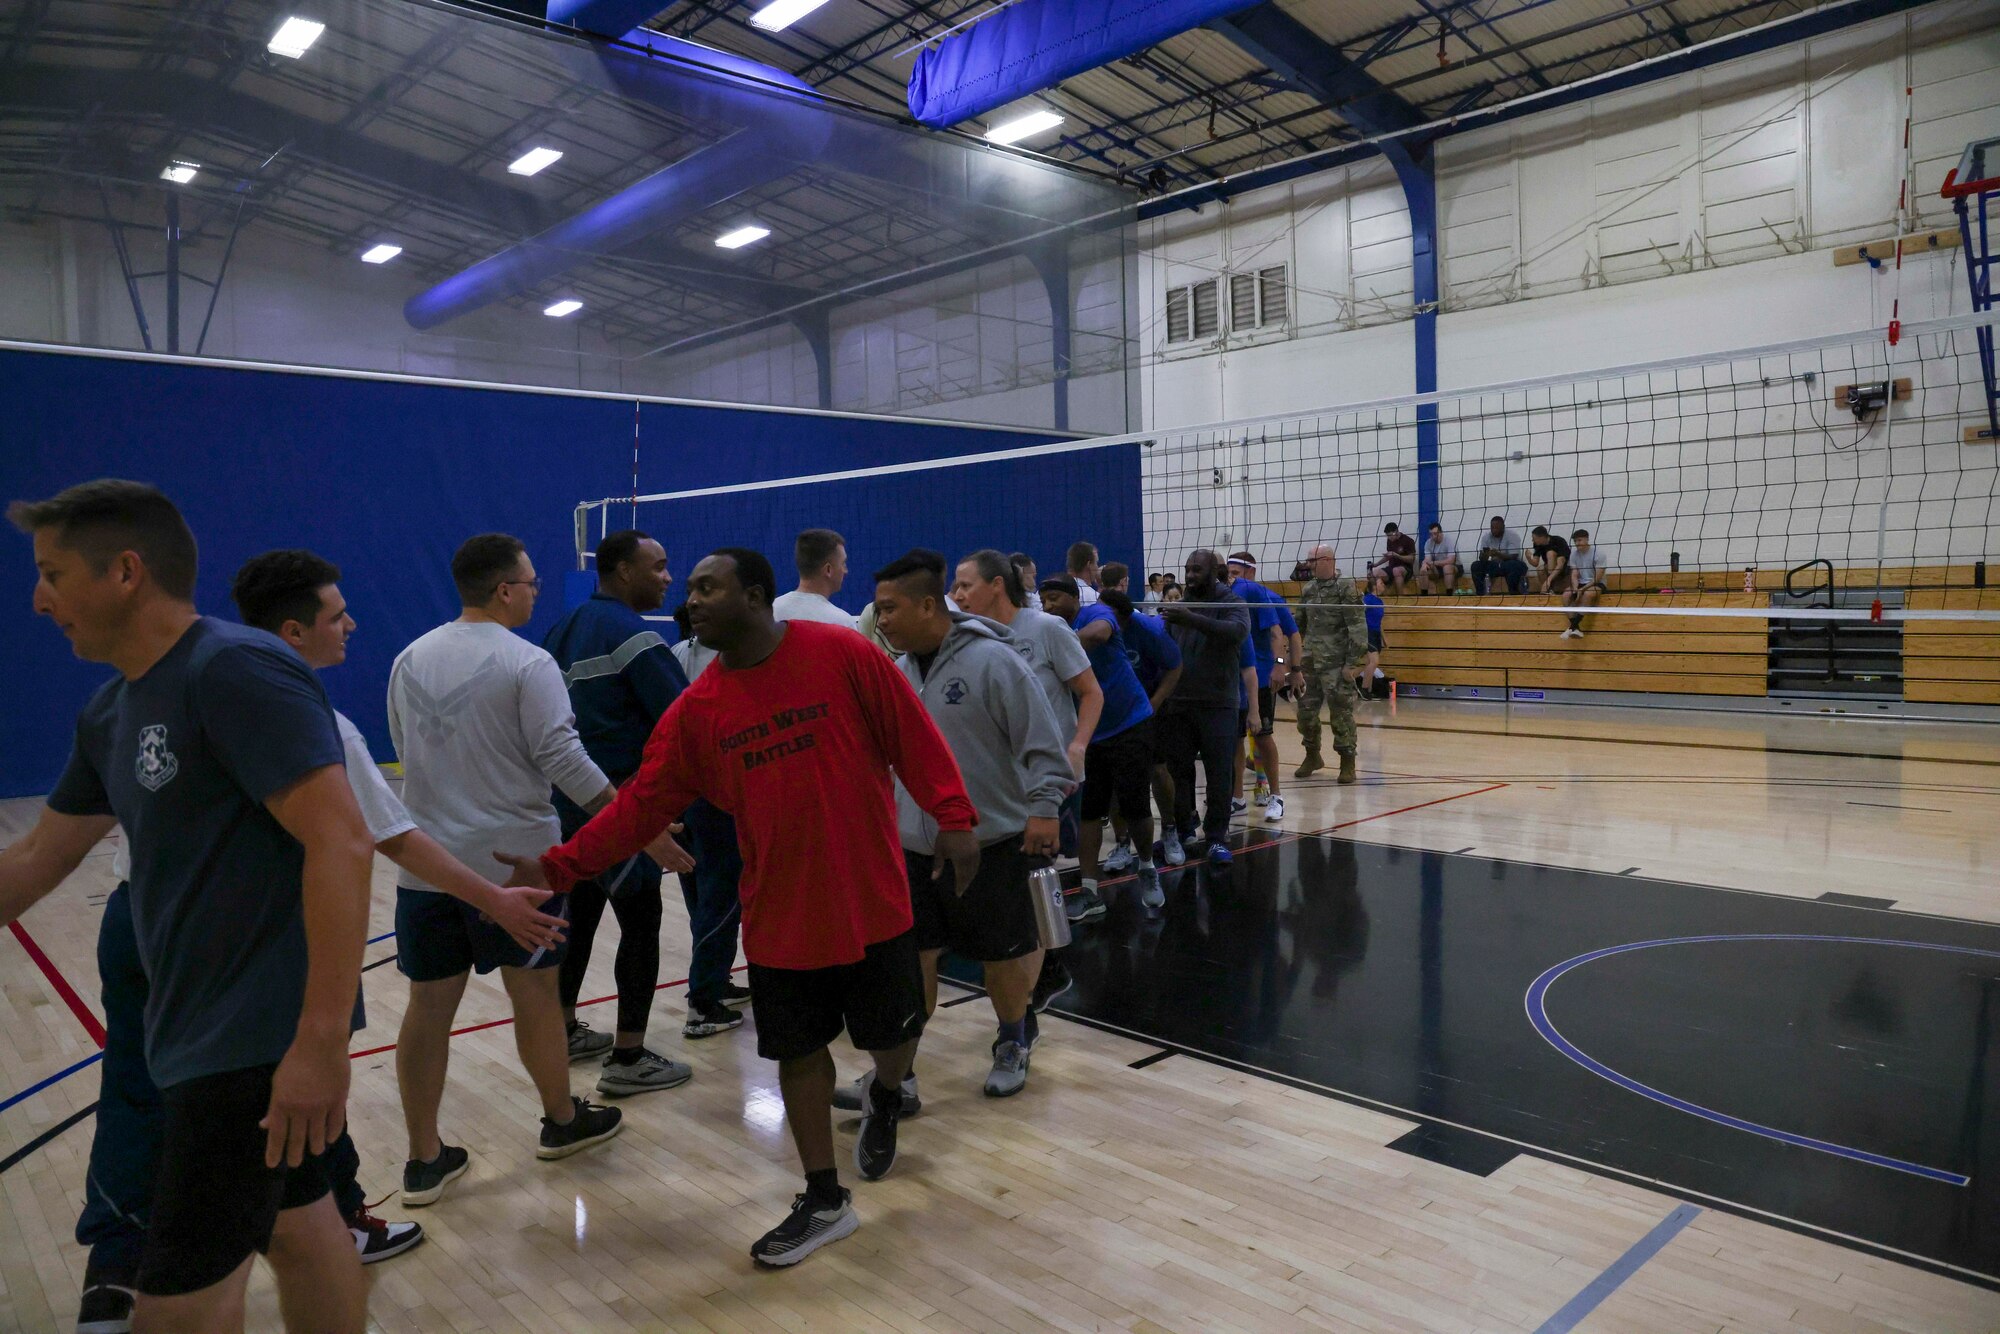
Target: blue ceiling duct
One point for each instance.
(773, 125)
(773, 128)
(1036, 44)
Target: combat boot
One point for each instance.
(1347, 774)
(1310, 765)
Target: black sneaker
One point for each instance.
(1053, 982)
(875, 1146)
(852, 1097)
(1086, 905)
(589, 1125)
(807, 1228)
(735, 995)
(423, 1183)
(106, 1305)
(706, 1019)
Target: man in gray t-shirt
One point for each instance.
(987, 584)
(1500, 550)
(1586, 561)
(482, 723)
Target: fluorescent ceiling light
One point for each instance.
(179, 172)
(782, 14)
(562, 308)
(742, 236)
(380, 254)
(533, 161)
(294, 37)
(1022, 127)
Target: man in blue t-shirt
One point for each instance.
(1118, 763)
(216, 750)
(1275, 637)
(1156, 662)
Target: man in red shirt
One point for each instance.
(794, 732)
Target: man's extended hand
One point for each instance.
(308, 1100)
(1043, 836)
(1075, 751)
(515, 910)
(523, 870)
(960, 847)
(670, 855)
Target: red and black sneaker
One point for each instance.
(378, 1238)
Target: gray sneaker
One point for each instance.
(650, 1072)
(1010, 1070)
(847, 1097)
(1171, 850)
(1150, 893)
(586, 1042)
(1122, 858)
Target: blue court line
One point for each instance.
(55, 1078)
(1626, 1265)
(384, 936)
(1537, 999)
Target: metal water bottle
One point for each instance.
(1045, 892)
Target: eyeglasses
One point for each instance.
(535, 583)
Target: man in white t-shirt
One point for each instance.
(821, 555)
(482, 722)
(295, 595)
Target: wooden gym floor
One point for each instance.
(1129, 1190)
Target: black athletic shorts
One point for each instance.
(993, 920)
(878, 1000)
(438, 936)
(214, 1201)
(1374, 641)
(1267, 710)
(1119, 771)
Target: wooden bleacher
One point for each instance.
(1444, 641)
(1952, 662)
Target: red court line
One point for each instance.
(1345, 824)
(61, 984)
(497, 1023)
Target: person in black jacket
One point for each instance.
(1200, 717)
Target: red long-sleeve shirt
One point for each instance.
(799, 750)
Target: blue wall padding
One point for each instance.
(386, 478)
(1036, 44)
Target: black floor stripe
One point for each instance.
(1856, 900)
(962, 1000)
(1892, 806)
(1158, 1056)
(47, 1135)
(1628, 870)
(378, 963)
(1455, 1148)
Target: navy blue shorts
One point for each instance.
(437, 937)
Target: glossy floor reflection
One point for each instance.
(1837, 1081)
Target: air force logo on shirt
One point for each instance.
(156, 765)
(954, 690)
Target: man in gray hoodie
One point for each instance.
(1010, 752)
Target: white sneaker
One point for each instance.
(1262, 799)
(1171, 851)
(1237, 806)
(1572, 634)
(1122, 858)
(1275, 811)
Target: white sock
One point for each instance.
(1146, 862)
(1089, 886)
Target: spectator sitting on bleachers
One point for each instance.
(1399, 557)
(1440, 563)
(1549, 555)
(1500, 550)
(1587, 585)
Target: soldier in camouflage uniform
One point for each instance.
(1335, 630)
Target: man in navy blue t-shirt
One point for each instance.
(1271, 626)
(217, 751)
(1118, 763)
